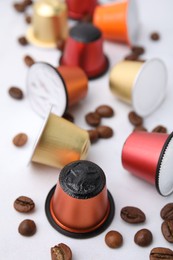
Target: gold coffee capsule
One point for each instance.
(49, 23)
(60, 142)
(141, 84)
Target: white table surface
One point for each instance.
(35, 181)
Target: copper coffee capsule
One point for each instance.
(84, 48)
(80, 205)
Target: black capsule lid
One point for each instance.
(82, 179)
(85, 32)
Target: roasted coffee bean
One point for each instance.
(27, 227)
(135, 119)
(20, 139)
(104, 131)
(93, 135)
(23, 41)
(68, 116)
(155, 36)
(113, 239)
(24, 204)
(87, 18)
(16, 93)
(60, 45)
(19, 7)
(28, 19)
(161, 253)
(160, 129)
(29, 61)
(132, 56)
(105, 111)
(61, 252)
(27, 2)
(138, 50)
(140, 128)
(167, 230)
(132, 215)
(93, 118)
(166, 212)
(143, 237)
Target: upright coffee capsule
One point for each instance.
(118, 21)
(60, 142)
(49, 23)
(78, 9)
(149, 156)
(80, 205)
(84, 48)
(140, 87)
(60, 88)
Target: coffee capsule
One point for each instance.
(78, 9)
(60, 142)
(80, 205)
(84, 48)
(136, 83)
(60, 88)
(118, 21)
(149, 156)
(49, 23)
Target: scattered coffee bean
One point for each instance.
(140, 128)
(23, 41)
(105, 111)
(132, 215)
(93, 135)
(138, 50)
(163, 253)
(60, 45)
(27, 2)
(87, 18)
(27, 227)
(16, 93)
(143, 237)
(166, 212)
(104, 131)
(61, 252)
(155, 36)
(132, 56)
(19, 7)
(93, 119)
(29, 61)
(28, 19)
(113, 239)
(160, 129)
(167, 230)
(68, 116)
(24, 204)
(20, 139)
(135, 119)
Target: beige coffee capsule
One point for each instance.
(141, 84)
(49, 23)
(60, 142)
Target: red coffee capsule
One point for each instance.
(84, 48)
(80, 205)
(149, 156)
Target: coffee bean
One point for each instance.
(104, 131)
(160, 129)
(93, 119)
(23, 41)
(61, 252)
(28, 19)
(166, 212)
(68, 116)
(105, 111)
(135, 119)
(60, 45)
(167, 230)
(15, 92)
(155, 36)
(132, 215)
(29, 61)
(143, 237)
(20, 139)
(27, 227)
(163, 253)
(140, 128)
(93, 135)
(132, 56)
(138, 50)
(24, 204)
(19, 7)
(27, 2)
(113, 239)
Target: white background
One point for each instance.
(35, 181)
